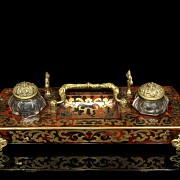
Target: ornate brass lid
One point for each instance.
(25, 90)
(151, 91)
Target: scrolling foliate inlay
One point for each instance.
(2, 105)
(3, 159)
(176, 106)
(126, 118)
(32, 121)
(91, 136)
(131, 119)
(88, 107)
(176, 159)
(97, 122)
(78, 102)
(47, 119)
(92, 162)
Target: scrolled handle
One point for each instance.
(65, 87)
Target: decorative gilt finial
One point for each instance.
(47, 84)
(129, 82)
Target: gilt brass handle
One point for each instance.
(65, 87)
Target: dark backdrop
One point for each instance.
(89, 47)
(76, 55)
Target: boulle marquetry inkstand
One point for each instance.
(86, 114)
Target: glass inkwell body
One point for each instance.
(150, 99)
(26, 100)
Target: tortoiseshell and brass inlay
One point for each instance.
(84, 136)
(143, 163)
(91, 117)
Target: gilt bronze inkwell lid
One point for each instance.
(26, 99)
(25, 90)
(151, 91)
(150, 99)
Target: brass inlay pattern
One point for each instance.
(176, 143)
(2, 105)
(151, 91)
(25, 90)
(91, 127)
(65, 87)
(77, 102)
(176, 159)
(79, 108)
(3, 159)
(128, 120)
(91, 162)
(3, 143)
(84, 136)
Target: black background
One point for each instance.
(90, 46)
(94, 45)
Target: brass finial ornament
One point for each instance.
(150, 99)
(47, 84)
(129, 82)
(25, 90)
(151, 91)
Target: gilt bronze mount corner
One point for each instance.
(3, 143)
(176, 143)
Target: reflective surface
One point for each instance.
(90, 158)
(153, 108)
(26, 107)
